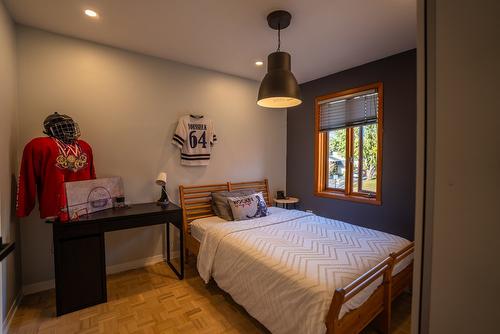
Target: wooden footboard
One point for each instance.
(378, 304)
(403, 279)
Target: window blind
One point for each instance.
(346, 111)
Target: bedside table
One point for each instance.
(286, 202)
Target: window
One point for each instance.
(348, 144)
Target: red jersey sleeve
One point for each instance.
(90, 154)
(26, 191)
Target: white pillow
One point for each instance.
(248, 207)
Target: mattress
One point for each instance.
(199, 226)
(284, 268)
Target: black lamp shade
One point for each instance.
(279, 88)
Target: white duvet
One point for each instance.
(284, 268)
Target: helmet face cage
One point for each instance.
(63, 128)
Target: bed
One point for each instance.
(295, 271)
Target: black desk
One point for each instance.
(79, 253)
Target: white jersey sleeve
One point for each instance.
(213, 139)
(180, 134)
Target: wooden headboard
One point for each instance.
(196, 201)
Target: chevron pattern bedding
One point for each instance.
(284, 268)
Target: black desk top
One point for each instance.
(6, 249)
(143, 209)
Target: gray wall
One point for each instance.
(10, 270)
(460, 293)
(127, 106)
(396, 214)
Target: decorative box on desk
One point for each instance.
(79, 250)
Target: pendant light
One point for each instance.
(279, 88)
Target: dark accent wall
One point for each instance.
(396, 214)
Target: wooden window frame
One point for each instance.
(321, 153)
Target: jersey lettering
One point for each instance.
(197, 126)
(203, 139)
(194, 141)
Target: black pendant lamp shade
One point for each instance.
(279, 88)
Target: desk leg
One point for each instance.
(180, 274)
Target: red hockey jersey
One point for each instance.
(46, 164)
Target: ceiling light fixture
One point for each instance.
(90, 12)
(259, 63)
(279, 88)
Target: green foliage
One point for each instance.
(338, 142)
(370, 149)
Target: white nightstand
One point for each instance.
(285, 202)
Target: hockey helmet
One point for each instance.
(61, 127)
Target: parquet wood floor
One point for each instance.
(152, 300)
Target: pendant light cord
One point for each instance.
(279, 37)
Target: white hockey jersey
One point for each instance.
(195, 137)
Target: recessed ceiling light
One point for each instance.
(90, 12)
(259, 63)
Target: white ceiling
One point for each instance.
(325, 36)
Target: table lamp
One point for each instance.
(161, 180)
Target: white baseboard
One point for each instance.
(112, 269)
(12, 311)
(38, 286)
(118, 268)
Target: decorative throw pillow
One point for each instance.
(221, 206)
(248, 207)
